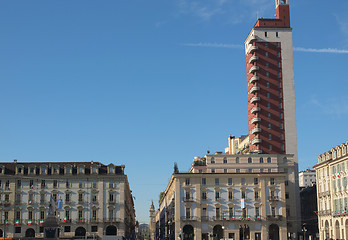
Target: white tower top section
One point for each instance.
(281, 2)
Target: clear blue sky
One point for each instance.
(150, 83)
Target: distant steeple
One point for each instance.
(152, 221)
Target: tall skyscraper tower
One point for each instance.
(270, 80)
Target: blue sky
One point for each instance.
(150, 83)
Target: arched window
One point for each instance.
(249, 160)
(261, 160)
(269, 160)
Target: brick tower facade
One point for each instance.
(270, 81)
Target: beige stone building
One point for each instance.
(231, 196)
(332, 192)
(96, 199)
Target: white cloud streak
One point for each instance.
(297, 49)
(213, 45)
(321, 50)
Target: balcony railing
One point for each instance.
(253, 59)
(254, 89)
(187, 199)
(254, 78)
(274, 217)
(256, 141)
(273, 198)
(255, 99)
(205, 218)
(254, 120)
(252, 39)
(255, 109)
(188, 218)
(112, 220)
(254, 68)
(255, 130)
(252, 49)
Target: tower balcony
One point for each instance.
(257, 151)
(254, 89)
(255, 120)
(252, 49)
(255, 99)
(254, 78)
(253, 59)
(254, 110)
(255, 130)
(253, 38)
(253, 69)
(256, 141)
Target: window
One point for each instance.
(188, 213)
(225, 170)
(267, 64)
(230, 212)
(225, 160)
(277, 35)
(204, 212)
(19, 183)
(272, 181)
(55, 198)
(237, 170)
(67, 214)
(256, 195)
(243, 194)
(230, 181)
(18, 229)
(281, 137)
(256, 181)
(279, 94)
(55, 183)
(94, 197)
(281, 115)
(94, 228)
(282, 147)
(287, 195)
(250, 170)
(266, 44)
(269, 136)
(281, 126)
(278, 74)
(243, 181)
(249, 160)
(187, 181)
(111, 213)
(67, 197)
(267, 84)
(31, 170)
(43, 183)
(31, 184)
(213, 170)
(212, 160)
(42, 215)
(80, 184)
(42, 198)
(244, 213)
(278, 64)
(268, 105)
(267, 74)
(257, 211)
(270, 147)
(273, 211)
(80, 197)
(30, 215)
(80, 170)
(269, 126)
(217, 195)
(277, 54)
(279, 85)
(67, 184)
(230, 195)
(94, 214)
(18, 215)
(7, 197)
(111, 197)
(237, 159)
(94, 184)
(286, 182)
(204, 195)
(204, 181)
(266, 34)
(187, 195)
(217, 181)
(66, 229)
(277, 44)
(269, 115)
(261, 160)
(217, 213)
(80, 214)
(268, 95)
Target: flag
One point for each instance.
(242, 203)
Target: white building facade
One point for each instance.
(93, 199)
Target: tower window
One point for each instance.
(268, 105)
(278, 74)
(269, 115)
(269, 126)
(249, 160)
(267, 64)
(279, 85)
(277, 35)
(267, 74)
(277, 44)
(266, 54)
(269, 136)
(281, 137)
(282, 147)
(279, 94)
(261, 160)
(280, 106)
(268, 95)
(281, 126)
(267, 84)
(277, 54)
(278, 64)
(270, 147)
(266, 44)
(266, 34)
(281, 115)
